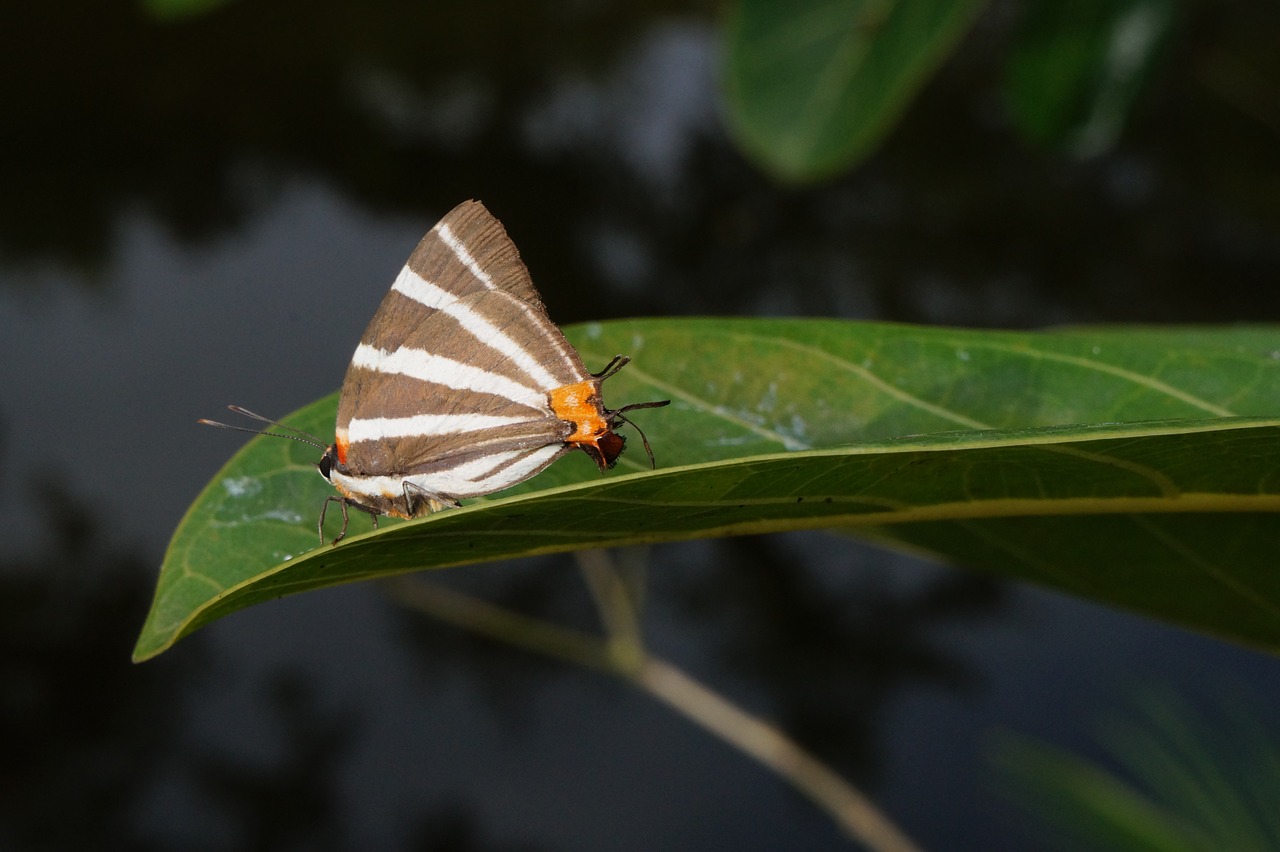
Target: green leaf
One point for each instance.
(1078, 67)
(813, 86)
(1190, 777)
(1086, 807)
(1128, 465)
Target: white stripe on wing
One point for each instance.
(421, 364)
(416, 287)
(482, 475)
(461, 253)
(424, 425)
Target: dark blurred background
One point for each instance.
(206, 208)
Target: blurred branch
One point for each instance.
(621, 652)
(856, 815)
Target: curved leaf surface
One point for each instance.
(1133, 466)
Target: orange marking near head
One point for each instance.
(340, 442)
(580, 405)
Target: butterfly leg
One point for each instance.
(415, 496)
(344, 502)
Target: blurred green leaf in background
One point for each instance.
(1172, 777)
(1076, 69)
(812, 87)
(174, 10)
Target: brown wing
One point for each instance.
(468, 239)
(471, 378)
(467, 253)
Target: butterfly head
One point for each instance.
(605, 448)
(581, 406)
(333, 460)
(328, 462)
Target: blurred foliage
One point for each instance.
(1077, 68)
(174, 10)
(812, 87)
(1175, 778)
(553, 113)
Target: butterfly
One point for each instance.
(461, 384)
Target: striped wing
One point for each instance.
(455, 387)
(467, 252)
(449, 385)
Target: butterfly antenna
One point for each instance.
(618, 362)
(653, 464)
(297, 434)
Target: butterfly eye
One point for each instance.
(325, 465)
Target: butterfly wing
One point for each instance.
(449, 386)
(467, 252)
(472, 378)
